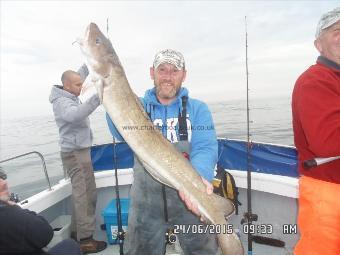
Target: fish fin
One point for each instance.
(100, 89)
(223, 205)
(230, 244)
(140, 106)
(91, 86)
(87, 85)
(154, 174)
(88, 89)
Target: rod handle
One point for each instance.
(310, 163)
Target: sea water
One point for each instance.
(270, 122)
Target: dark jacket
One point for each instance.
(22, 231)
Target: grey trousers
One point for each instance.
(146, 223)
(78, 166)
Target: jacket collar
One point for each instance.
(329, 63)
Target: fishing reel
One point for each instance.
(170, 237)
(121, 236)
(247, 217)
(13, 196)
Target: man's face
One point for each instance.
(4, 194)
(328, 43)
(73, 84)
(168, 80)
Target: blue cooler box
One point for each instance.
(110, 218)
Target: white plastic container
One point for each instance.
(61, 228)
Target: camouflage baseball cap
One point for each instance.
(327, 20)
(171, 57)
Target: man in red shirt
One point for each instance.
(316, 124)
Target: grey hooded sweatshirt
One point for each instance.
(72, 119)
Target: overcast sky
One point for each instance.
(37, 36)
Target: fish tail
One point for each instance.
(229, 241)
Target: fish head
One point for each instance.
(98, 50)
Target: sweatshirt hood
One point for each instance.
(58, 91)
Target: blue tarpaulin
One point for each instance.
(264, 158)
(102, 156)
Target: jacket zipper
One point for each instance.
(165, 126)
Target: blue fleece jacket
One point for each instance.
(201, 132)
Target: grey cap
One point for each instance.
(171, 57)
(327, 20)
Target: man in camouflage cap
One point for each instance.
(154, 208)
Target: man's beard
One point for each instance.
(167, 95)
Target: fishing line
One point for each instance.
(120, 235)
(107, 27)
(249, 217)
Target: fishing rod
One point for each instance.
(107, 27)
(311, 163)
(120, 234)
(249, 217)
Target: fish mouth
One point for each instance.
(88, 31)
(91, 29)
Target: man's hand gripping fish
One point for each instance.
(157, 155)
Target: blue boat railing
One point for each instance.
(29, 153)
(265, 158)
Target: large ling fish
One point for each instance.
(158, 156)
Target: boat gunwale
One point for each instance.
(274, 184)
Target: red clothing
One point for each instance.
(316, 118)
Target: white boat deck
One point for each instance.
(258, 249)
(283, 186)
(269, 200)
